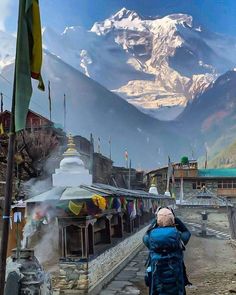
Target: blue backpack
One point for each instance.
(164, 272)
(164, 239)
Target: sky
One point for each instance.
(215, 15)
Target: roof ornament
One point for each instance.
(71, 147)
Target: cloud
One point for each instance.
(5, 12)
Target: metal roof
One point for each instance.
(213, 173)
(53, 194)
(76, 193)
(111, 190)
(87, 191)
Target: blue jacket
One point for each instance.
(166, 258)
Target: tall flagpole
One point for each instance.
(8, 198)
(1, 102)
(99, 145)
(18, 113)
(126, 158)
(110, 147)
(64, 107)
(49, 101)
(8, 191)
(129, 183)
(206, 160)
(168, 176)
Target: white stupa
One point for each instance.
(153, 189)
(72, 171)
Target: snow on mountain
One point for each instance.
(96, 56)
(181, 57)
(91, 108)
(156, 64)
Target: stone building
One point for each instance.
(34, 121)
(102, 167)
(220, 182)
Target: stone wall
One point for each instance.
(107, 263)
(90, 277)
(72, 279)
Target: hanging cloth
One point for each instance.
(75, 208)
(99, 201)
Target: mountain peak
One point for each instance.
(125, 13)
(180, 18)
(124, 19)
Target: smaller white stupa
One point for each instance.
(72, 171)
(153, 189)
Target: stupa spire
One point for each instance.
(71, 147)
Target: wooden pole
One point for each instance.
(168, 176)
(110, 147)
(8, 198)
(129, 184)
(49, 101)
(1, 102)
(9, 178)
(64, 107)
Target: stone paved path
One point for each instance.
(130, 280)
(211, 265)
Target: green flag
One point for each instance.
(28, 59)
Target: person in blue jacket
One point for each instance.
(166, 239)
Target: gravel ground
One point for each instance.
(211, 265)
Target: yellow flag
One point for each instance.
(28, 58)
(75, 207)
(1, 129)
(99, 201)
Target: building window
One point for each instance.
(198, 184)
(227, 184)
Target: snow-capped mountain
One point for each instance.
(75, 58)
(91, 108)
(156, 64)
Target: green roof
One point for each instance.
(224, 172)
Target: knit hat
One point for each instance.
(165, 217)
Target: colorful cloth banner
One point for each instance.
(99, 201)
(75, 208)
(116, 204)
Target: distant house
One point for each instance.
(34, 121)
(221, 182)
(102, 167)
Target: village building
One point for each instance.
(102, 168)
(97, 226)
(34, 121)
(187, 180)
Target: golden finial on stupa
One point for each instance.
(71, 148)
